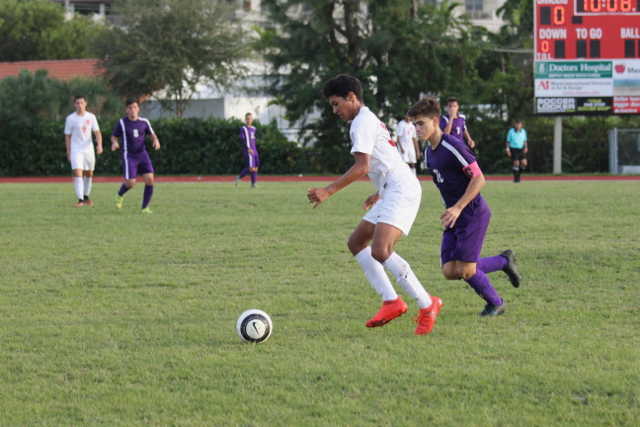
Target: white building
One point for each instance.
(209, 102)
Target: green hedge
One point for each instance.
(188, 146)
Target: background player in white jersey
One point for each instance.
(77, 137)
(393, 207)
(408, 142)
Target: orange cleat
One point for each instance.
(79, 204)
(426, 317)
(389, 311)
(88, 202)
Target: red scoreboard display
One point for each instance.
(587, 57)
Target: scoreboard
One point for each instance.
(587, 57)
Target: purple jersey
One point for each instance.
(133, 134)
(248, 138)
(452, 164)
(457, 128)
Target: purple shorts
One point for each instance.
(464, 241)
(251, 160)
(136, 164)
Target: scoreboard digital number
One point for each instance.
(587, 56)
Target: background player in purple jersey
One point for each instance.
(454, 123)
(251, 159)
(466, 218)
(135, 159)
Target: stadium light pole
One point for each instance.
(557, 145)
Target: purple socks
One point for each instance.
(491, 264)
(123, 189)
(146, 198)
(482, 285)
(254, 177)
(244, 173)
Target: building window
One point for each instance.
(473, 8)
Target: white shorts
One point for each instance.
(409, 155)
(83, 159)
(399, 202)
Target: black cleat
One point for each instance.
(512, 269)
(491, 310)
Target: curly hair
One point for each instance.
(341, 85)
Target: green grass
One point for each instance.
(116, 318)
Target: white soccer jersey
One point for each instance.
(81, 129)
(406, 132)
(370, 136)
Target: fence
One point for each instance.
(624, 151)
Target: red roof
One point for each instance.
(61, 70)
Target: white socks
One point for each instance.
(374, 271)
(87, 186)
(77, 183)
(409, 282)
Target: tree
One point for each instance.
(33, 30)
(396, 51)
(169, 48)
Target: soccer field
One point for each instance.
(111, 317)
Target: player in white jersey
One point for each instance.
(407, 141)
(77, 137)
(393, 207)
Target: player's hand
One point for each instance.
(317, 196)
(526, 150)
(114, 146)
(370, 201)
(250, 150)
(401, 149)
(69, 157)
(450, 216)
(472, 143)
(156, 145)
(417, 154)
(509, 153)
(99, 149)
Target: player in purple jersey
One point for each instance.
(454, 123)
(135, 159)
(251, 159)
(466, 218)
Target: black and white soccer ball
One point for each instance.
(254, 326)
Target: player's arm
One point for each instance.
(67, 142)
(526, 146)
(508, 148)
(114, 143)
(98, 135)
(357, 171)
(415, 144)
(447, 128)
(155, 142)
(476, 183)
(471, 142)
(399, 144)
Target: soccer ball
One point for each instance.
(254, 326)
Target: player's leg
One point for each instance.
(516, 168)
(77, 165)
(129, 171)
(148, 191)
(392, 304)
(89, 166)
(469, 241)
(145, 168)
(523, 164)
(506, 262)
(254, 170)
(398, 209)
(248, 164)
